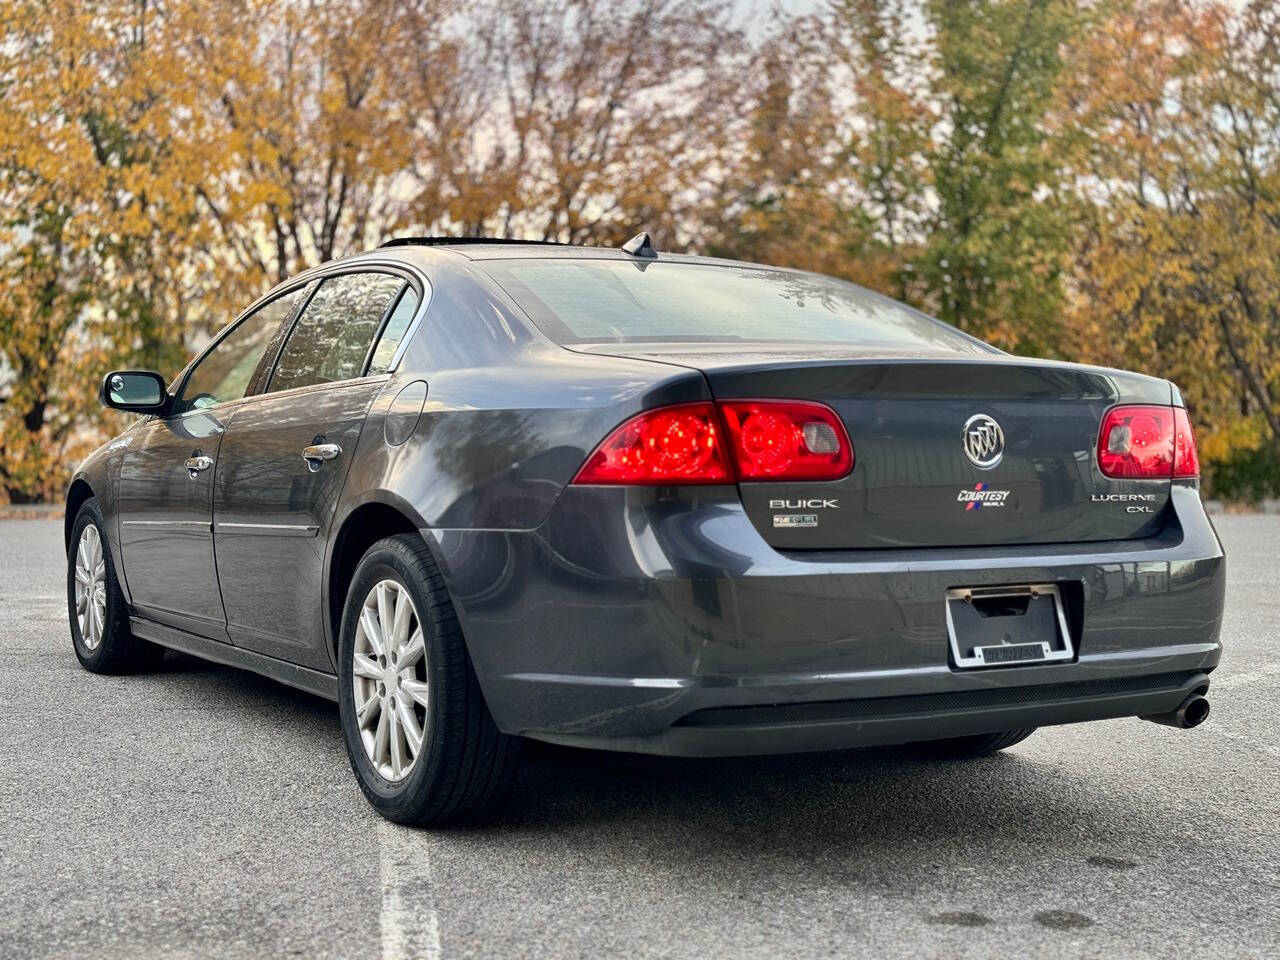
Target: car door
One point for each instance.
(167, 479)
(285, 457)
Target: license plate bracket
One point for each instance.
(1007, 626)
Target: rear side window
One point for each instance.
(393, 331)
(225, 372)
(613, 301)
(331, 340)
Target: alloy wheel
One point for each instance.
(91, 587)
(389, 680)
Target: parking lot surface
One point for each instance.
(204, 812)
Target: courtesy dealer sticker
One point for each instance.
(982, 496)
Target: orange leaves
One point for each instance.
(1184, 254)
(1100, 181)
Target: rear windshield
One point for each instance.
(611, 301)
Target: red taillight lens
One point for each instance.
(786, 440)
(679, 444)
(1186, 461)
(766, 440)
(1147, 442)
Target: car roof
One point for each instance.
(484, 248)
(432, 253)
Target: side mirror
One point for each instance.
(134, 391)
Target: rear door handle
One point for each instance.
(318, 453)
(195, 464)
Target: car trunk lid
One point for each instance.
(913, 483)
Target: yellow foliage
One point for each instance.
(1095, 181)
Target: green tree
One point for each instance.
(998, 241)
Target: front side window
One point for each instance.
(225, 372)
(331, 339)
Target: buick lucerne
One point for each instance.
(482, 491)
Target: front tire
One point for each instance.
(419, 736)
(99, 615)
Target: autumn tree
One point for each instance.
(780, 200)
(1092, 179)
(163, 163)
(94, 154)
(888, 145)
(1178, 271)
(921, 157)
(606, 117)
(313, 103)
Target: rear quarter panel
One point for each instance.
(484, 422)
(508, 416)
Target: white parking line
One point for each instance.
(410, 927)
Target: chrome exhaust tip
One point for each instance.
(1192, 712)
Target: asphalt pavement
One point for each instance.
(204, 812)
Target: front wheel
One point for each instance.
(99, 615)
(419, 736)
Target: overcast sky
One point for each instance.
(755, 11)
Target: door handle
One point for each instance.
(196, 464)
(318, 453)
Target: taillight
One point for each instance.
(679, 444)
(1186, 461)
(1146, 443)
(786, 440)
(766, 440)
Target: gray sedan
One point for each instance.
(481, 491)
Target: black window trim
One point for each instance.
(180, 382)
(382, 328)
(261, 385)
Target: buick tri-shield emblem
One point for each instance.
(983, 441)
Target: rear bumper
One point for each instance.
(838, 725)
(660, 622)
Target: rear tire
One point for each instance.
(425, 693)
(99, 615)
(968, 748)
